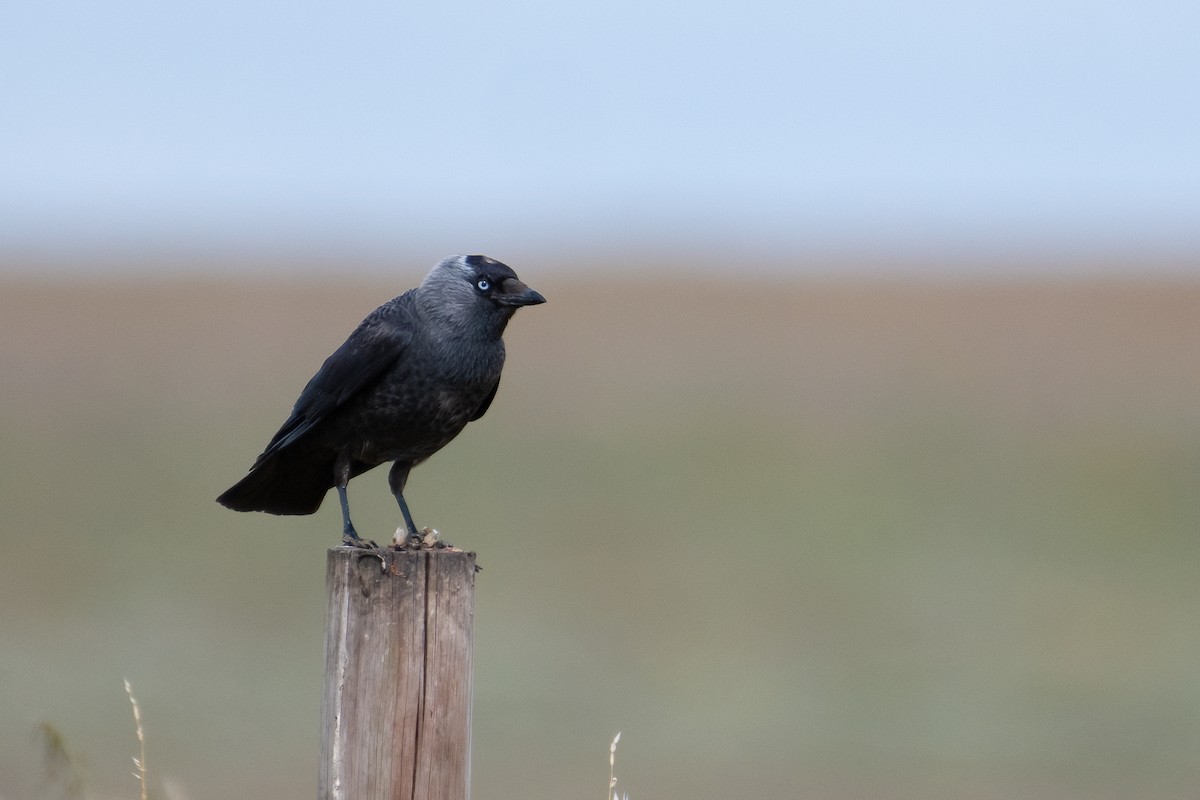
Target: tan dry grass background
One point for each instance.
(924, 539)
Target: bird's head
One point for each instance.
(476, 289)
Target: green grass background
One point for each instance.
(918, 539)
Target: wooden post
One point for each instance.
(396, 719)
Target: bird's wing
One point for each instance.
(487, 401)
(374, 347)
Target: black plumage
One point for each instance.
(406, 382)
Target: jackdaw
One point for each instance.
(409, 378)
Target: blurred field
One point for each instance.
(924, 540)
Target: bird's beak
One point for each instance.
(514, 293)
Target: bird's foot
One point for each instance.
(406, 539)
(350, 538)
(424, 539)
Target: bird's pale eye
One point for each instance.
(483, 285)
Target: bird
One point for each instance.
(408, 379)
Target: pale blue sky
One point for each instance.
(546, 127)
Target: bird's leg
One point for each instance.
(396, 480)
(342, 477)
(349, 535)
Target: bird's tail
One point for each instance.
(281, 485)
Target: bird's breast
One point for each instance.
(412, 413)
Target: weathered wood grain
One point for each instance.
(396, 718)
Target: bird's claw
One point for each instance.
(352, 540)
(425, 539)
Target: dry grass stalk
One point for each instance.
(139, 761)
(612, 774)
